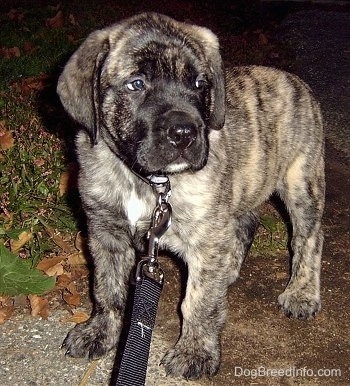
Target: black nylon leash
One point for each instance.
(133, 367)
(149, 284)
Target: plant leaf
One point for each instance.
(23, 238)
(39, 306)
(17, 278)
(6, 140)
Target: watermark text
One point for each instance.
(264, 372)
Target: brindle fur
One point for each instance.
(265, 136)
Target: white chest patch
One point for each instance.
(134, 208)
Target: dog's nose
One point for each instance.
(182, 136)
(181, 131)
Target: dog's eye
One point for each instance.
(200, 82)
(135, 85)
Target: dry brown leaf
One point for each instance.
(80, 242)
(6, 140)
(78, 317)
(263, 40)
(52, 266)
(56, 21)
(77, 259)
(71, 296)
(63, 281)
(78, 272)
(56, 270)
(68, 179)
(39, 306)
(15, 15)
(29, 47)
(23, 238)
(34, 83)
(64, 182)
(49, 262)
(6, 313)
(14, 52)
(72, 19)
(59, 241)
(280, 275)
(89, 371)
(6, 308)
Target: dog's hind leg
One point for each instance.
(303, 193)
(245, 229)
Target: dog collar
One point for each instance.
(160, 184)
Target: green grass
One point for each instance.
(30, 170)
(272, 234)
(47, 45)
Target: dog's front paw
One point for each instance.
(186, 360)
(92, 339)
(299, 304)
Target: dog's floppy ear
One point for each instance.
(78, 86)
(210, 44)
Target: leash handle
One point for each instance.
(134, 362)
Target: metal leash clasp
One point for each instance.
(161, 221)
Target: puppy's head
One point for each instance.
(151, 88)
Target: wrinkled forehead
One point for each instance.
(157, 54)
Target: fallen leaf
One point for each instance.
(34, 83)
(280, 275)
(14, 52)
(56, 21)
(39, 306)
(63, 281)
(79, 271)
(52, 266)
(63, 185)
(72, 19)
(39, 162)
(15, 15)
(56, 270)
(6, 313)
(59, 241)
(263, 40)
(6, 308)
(71, 296)
(23, 238)
(6, 140)
(29, 47)
(78, 317)
(77, 259)
(80, 242)
(68, 179)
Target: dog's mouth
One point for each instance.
(179, 165)
(168, 161)
(175, 142)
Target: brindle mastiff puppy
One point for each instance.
(151, 96)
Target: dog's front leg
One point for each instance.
(113, 258)
(197, 352)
